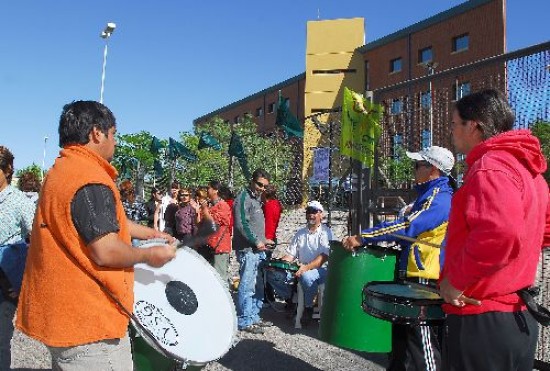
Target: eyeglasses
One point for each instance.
(419, 164)
(260, 184)
(311, 210)
(184, 195)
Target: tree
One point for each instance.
(34, 168)
(541, 129)
(133, 159)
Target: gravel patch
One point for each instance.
(281, 347)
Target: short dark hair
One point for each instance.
(175, 184)
(260, 173)
(78, 120)
(490, 109)
(225, 193)
(215, 184)
(6, 163)
(270, 192)
(29, 182)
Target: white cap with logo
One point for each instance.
(439, 157)
(316, 205)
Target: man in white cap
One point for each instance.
(417, 347)
(310, 247)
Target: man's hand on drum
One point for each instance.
(157, 256)
(351, 242)
(454, 296)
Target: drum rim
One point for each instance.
(401, 300)
(233, 312)
(282, 262)
(400, 320)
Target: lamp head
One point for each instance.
(109, 29)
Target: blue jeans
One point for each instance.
(310, 281)
(251, 287)
(282, 283)
(12, 262)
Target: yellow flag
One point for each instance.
(360, 127)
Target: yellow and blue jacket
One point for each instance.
(427, 221)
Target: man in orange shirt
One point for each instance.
(83, 237)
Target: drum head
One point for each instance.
(186, 307)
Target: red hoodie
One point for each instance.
(272, 212)
(497, 223)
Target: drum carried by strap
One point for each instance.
(343, 322)
(404, 302)
(186, 307)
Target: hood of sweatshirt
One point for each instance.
(523, 145)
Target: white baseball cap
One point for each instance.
(439, 157)
(316, 205)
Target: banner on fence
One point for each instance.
(321, 158)
(360, 127)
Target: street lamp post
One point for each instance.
(44, 158)
(105, 34)
(431, 66)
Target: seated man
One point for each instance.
(310, 248)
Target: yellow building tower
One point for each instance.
(332, 63)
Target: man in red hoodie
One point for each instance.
(495, 234)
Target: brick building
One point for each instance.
(463, 34)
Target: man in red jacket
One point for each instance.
(495, 234)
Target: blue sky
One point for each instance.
(171, 61)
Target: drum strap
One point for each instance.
(539, 313)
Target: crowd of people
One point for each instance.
(478, 245)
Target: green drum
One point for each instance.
(343, 321)
(146, 358)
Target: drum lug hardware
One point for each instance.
(182, 365)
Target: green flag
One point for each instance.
(236, 149)
(360, 127)
(155, 146)
(208, 141)
(176, 149)
(159, 171)
(286, 120)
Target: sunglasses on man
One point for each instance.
(419, 164)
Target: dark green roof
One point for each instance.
(440, 17)
(261, 93)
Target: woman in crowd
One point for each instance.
(29, 183)
(151, 207)
(16, 218)
(134, 209)
(272, 213)
(185, 215)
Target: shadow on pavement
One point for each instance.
(256, 355)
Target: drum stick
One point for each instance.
(414, 240)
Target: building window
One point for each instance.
(396, 107)
(397, 144)
(426, 138)
(461, 43)
(270, 107)
(425, 55)
(461, 89)
(259, 111)
(425, 99)
(395, 65)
